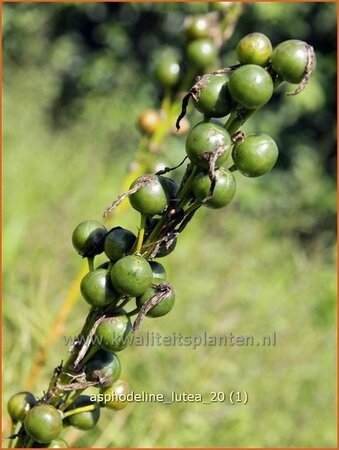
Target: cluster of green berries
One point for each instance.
(131, 273)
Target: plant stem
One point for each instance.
(195, 205)
(13, 428)
(80, 410)
(90, 260)
(133, 312)
(72, 399)
(141, 234)
(186, 188)
(30, 443)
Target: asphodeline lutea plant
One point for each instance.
(132, 283)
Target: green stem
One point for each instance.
(182, 194)
(80, 410)
(193, 207)
(72, 399)
(13, 428)
(90, 260)
(89, 354)
(141, 234)
(30, 443)
(133, 312)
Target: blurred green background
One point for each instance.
(75, 79)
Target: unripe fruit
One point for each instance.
(196, 27)
(167, 70)
(202, 53)
(159, 272)
(118, 243)
(87, 419)
(112, 333)
(57, 443)
(251, 86)
(289, 60)
(224, 189)
(19, 404)
(256, 155)
(88, 238)
(131, 275)
(97, 289)
(255, 48)
(104, 367)
(43, 423)
(151, 198)
(115, 395)
(204, 139)
(213, 98)
(163, 308)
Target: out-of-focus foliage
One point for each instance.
(76, 77)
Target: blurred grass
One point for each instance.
(261, 265)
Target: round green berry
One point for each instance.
(254, 48)
(202, 53)
(204, 140)
(213, 98)
(57, 443)
(196, 27)
(114, 397)
(151, 198)
(97, 289)
(167, 69)
(84, 420)
(104, 367)
(159, 272)
(256, 155)
(251, 86)
(223, 192)
(289, 60)
(43, 423)
(88, 238)
(112, 333)
(165, 305)
(131, 275)
(19, 404)
(118, 243)
(166, 248)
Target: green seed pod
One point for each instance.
(131, 275)
(58, 443)
(196, 27)
(112, 334)
(204, 140)
(19, 404)
(115, 395)
(151, 198)
(118, 243)
(202, 53)
(289, 60)
(167, 69)
(88, 238)
(251, 86)
(104, 367)
(254, 48)
(43, 423)
(224, 189)
(163, 308)
(256, 155)
(214, 99)
(97, 289)
(84, 420)
(159, 272)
